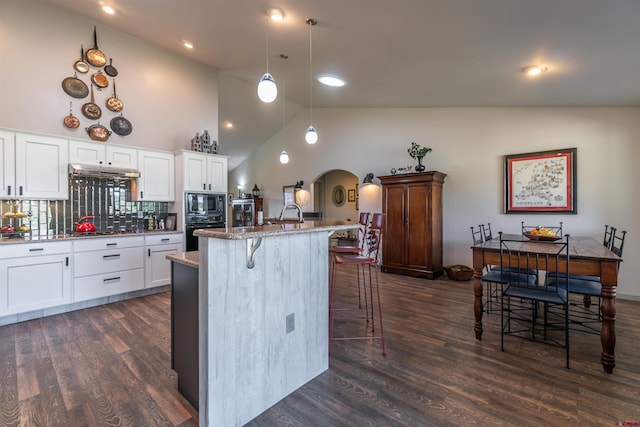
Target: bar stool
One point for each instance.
(363, 225)
(369, 261)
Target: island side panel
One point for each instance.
(251, 362)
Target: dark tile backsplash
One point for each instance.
(107, 200)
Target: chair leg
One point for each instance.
(384, 352)
(586, 301)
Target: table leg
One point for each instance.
(477, 292)
(609, 280)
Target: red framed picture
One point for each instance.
(541, 182)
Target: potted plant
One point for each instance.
(418, 152)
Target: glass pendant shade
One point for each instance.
(311, 136)
(267, 89)
(284, 158)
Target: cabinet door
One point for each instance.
(157, 176)
(217, 174)
(41, 167)
(394, 243)
(122, 157)
(194, 172)
(7, 162)
(417, 226)
(34, 283)
(86, 153)
(157, 267)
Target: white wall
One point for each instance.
(167, 98)
(469, 145)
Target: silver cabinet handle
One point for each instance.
(111, 279)
(111, 256)
(165, 240)
(112, 244)
(36, 250)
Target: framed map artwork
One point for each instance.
(542, 182)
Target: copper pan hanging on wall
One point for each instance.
(98, 132)
(75, 87)
(91, 110)
(94, 55)
(71, 121)
(81, 66)
(114, 103)
(121, 126)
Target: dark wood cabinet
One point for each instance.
(412, 243)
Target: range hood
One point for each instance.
(92, 171)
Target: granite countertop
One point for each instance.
(65, 237)
(190, 259)
(241, 233)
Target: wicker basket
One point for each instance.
(459, 272)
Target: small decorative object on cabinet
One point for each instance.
(412, 204)
(418, 152)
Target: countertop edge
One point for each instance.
(190, 259)
(243, 233)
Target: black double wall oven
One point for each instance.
(203, 210)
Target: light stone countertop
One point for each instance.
(242, 233)
(190, 259)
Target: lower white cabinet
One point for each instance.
(156, 265)
(34, 276)
(107, 266)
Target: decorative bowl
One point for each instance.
(541, 238)
(459, 272)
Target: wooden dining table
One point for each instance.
(586, 256)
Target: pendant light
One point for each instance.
(311, 136)
(284, 157)
(267, 89)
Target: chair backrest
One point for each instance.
(608, 234)
(476, 236)
(554, 228)
(617, 243)
(363, 225)
(550, 257)
(374, 236)
(486, 232)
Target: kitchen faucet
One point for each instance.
(292, 205)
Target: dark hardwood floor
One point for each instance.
(110, 366)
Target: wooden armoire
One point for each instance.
(412, 241)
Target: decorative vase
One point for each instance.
(420, 167)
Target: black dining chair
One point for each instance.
(590, 286)
(522, 320)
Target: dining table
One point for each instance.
(587, 256)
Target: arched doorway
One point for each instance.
(335, 194)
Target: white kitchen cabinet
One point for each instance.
(34, 276)
(157, 268)
(91, 153)
(107, 266)
(202, 172)
(157, 176)
(8, 163)
(39, 165)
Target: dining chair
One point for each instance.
(369, 262)
(476, 236)
(590, 286)
(606, 242)
(550, 257)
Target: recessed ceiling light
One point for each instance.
(108, 9)
(187, 44)
(228, 124)
(331, 81)
(534, 70)
(276, 14)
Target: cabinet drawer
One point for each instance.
(162, 239)
(115, 242)
(17, 250)
(102, 285)
(101, 262)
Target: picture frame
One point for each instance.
(170, 222)
(288, 194)
(351, 195)
(541, 182)
(338, 195)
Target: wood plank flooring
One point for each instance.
(110, 366)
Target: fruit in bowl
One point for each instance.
(8, 215)
(23, 228)
(21, 215)
(8, 229)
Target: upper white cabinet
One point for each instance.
(34, 166)
(202, 172)
(8, 163)
(91, 153)
(157, 176)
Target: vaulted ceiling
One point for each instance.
(406, 53)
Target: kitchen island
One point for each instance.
(263, 315)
